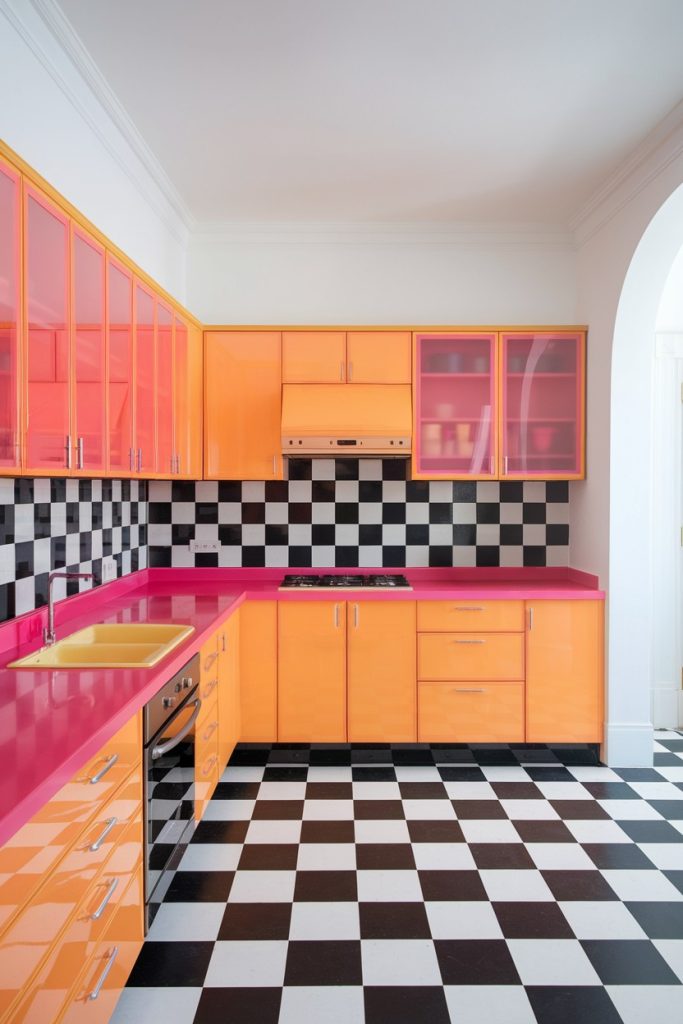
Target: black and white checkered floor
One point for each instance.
(476, 885)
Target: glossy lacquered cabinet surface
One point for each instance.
(353, 357)
(120, 367)
(258, 671)
(88, 428)
(10, 280)
(471, 711)
(242, 396)
(229, 710)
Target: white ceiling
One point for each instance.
(388, 110)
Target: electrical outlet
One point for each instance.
(108, 569)
(202, 547)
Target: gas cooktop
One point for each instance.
(353, 581)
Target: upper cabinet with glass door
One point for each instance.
(89, 394)
(454, 406)
(542, 405)
(10, 278)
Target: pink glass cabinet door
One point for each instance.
(49, 441)
(88, 354)
(10, 193)
(120, 322)
(183, 414)
(543, 388)
(145, 385)
(455, 406)
(165, 450)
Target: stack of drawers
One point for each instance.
(206, 728)
(71, 893)
(470, 670)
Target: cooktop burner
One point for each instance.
(352, 581)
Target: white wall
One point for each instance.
(60, 124)
(382, 274)
(628, 245)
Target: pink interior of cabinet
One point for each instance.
(541, 404)
(9, 305)
(120, 367)
(88, 292)
(144, 383)
(456, 405)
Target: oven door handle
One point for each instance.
(164, 748)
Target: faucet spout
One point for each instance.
(49, 635)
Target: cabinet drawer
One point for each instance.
(206, 734)
(469, 616)
(470, 656)
(208, 691)
(206, 778)
(471, 712)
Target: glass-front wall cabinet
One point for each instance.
(89, 379)
(455, 406)
(10, 452)
(542, 403)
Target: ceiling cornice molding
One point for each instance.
(149, 178)
(656, 152)
(460, 235)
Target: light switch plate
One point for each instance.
(108, 569)
(204, 546)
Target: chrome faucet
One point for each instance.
(49, 635)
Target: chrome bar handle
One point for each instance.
(210, 731)
(505, 465)
(274, 465)
(110, 762)
(336, 616)
(463, 689)
(164, 748)
(209, 764)
(210, 660)
(139, 460)
(356, 616)
(469, 641)
(177, 463)
(531, 619)
(79, 450)
(108, 826)
(68, 451)
(97, 914)
(224, 645)
(469, 608)
(103, 976)
(209, 689)
(131, 460)
(341, 371)
(350, 372)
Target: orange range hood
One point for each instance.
(346, 419)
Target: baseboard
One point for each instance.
(628, 745)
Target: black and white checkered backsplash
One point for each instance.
(66, 524)
(350, 512)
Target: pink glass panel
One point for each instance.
(165, 450)
(455, 405)
(182, 416)
(145, 414)
(120, 369)
(88, 297)
(48, 336)
(9, 309)
(541, 405)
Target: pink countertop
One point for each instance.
(53, 721)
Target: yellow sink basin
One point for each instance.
(118, 645)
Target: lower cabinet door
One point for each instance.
(382, 698)
(470, 712)
(229, 712)
(206, 768)
(312, 672)
(258, 671)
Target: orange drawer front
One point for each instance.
(206, 764)
(470, 656)
(116, 832)
(471, 712)
(471, 616)
(206, 734)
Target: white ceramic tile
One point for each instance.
(376, 791)
(229, 810)
(640, 1003)
(408, 962)
(597, 832)
(333, 1004)
(478, 830)
(494, 1004)
(529, 810)
(630, 810)
(326, 857)
(186, 922)
(389, 887)
(381, 831)
(324, 921)
(564, 791)
(665, 856)
(280, 831)
(328, 810)
(428, 810)
(672, 951)
(470, 791)
(243, 773)
(504, 773)
(210, 857)
(516, 886)
(473, 919)
(170, 1005)
(631, 886)
(253, 964)
(333, 773)
(657, 790)
(601, 919)
(262, 887)
(282, 791)
(552, 962)
(417, 773)
(559, 857)
(443, 857)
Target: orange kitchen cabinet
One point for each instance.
(490, 656)
(10, 323)
(464, 616)
(471, 712)
(564, 671)
(229, 711)
(88, 419)
(312, 672)
(381, 671)
(258, 671)
(206, 769)
(242, 402)
(188, 400)
(165, 449)
(144, 433)
(379, 357)
(49, 444)
(313, 357)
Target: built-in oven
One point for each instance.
(169, 721)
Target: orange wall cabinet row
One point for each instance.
(346, 671)
(71, 891)
(354, 357)
(99, 375)
(499, 406)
